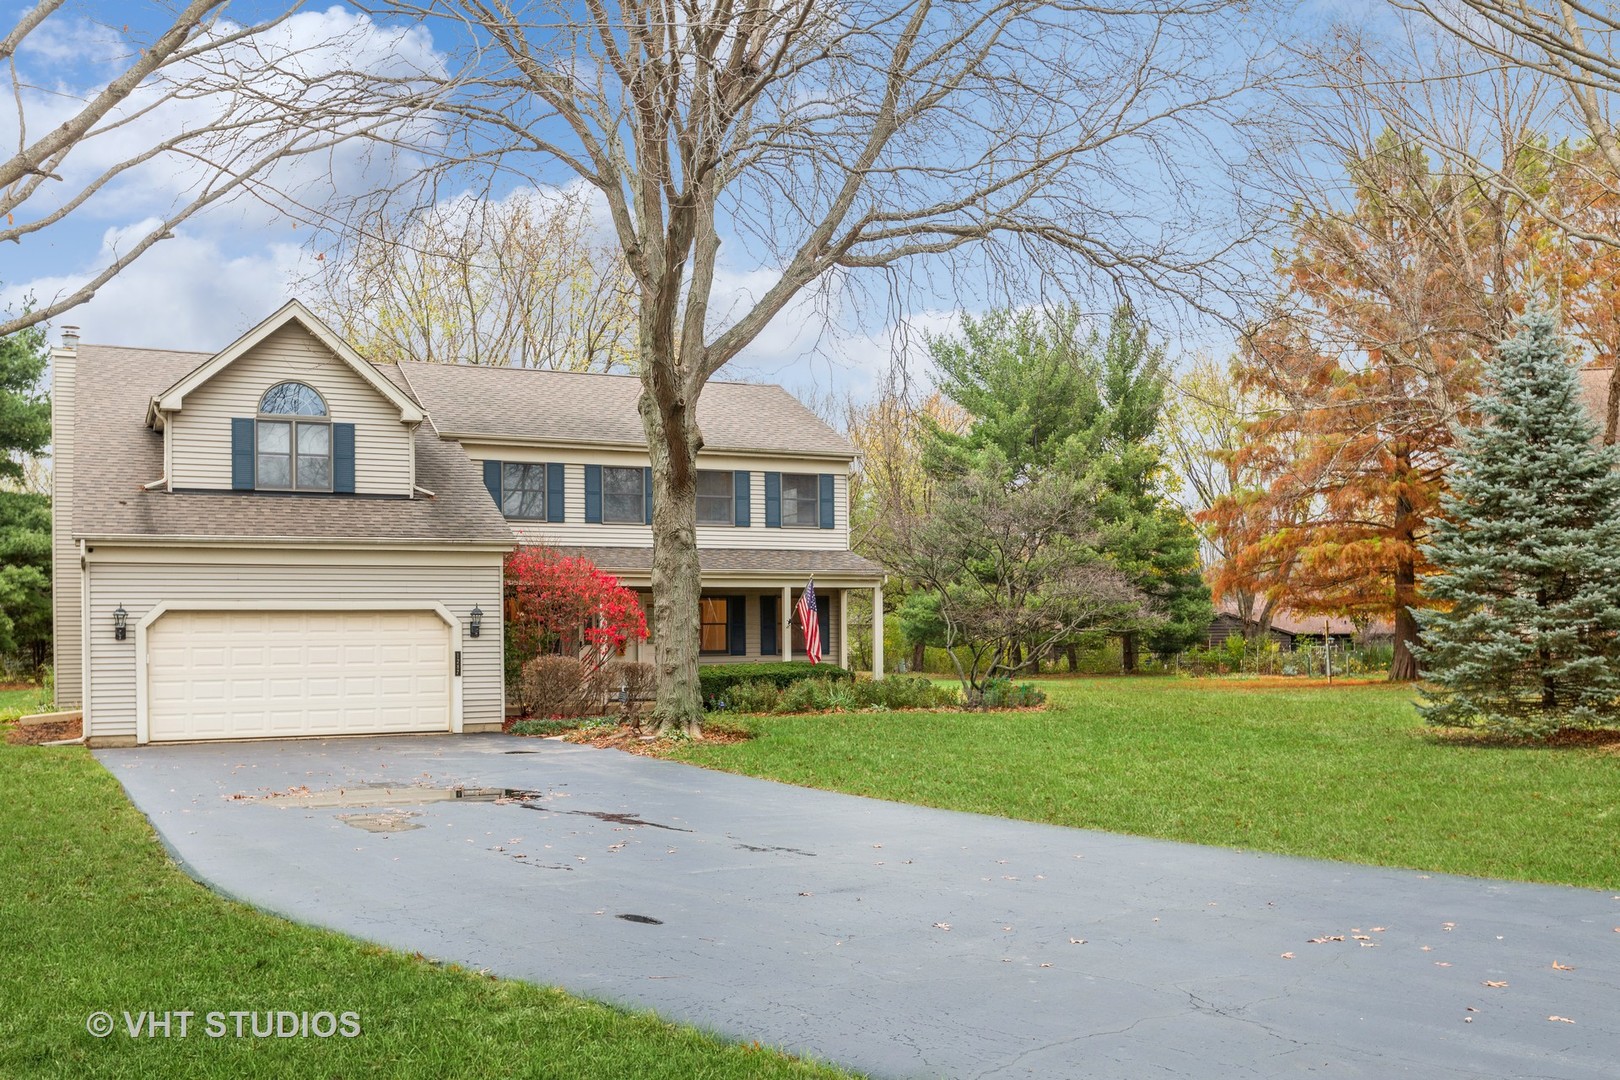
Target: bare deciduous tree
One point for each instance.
(522, 282)
(837, 142)
(218, 104)
(1525, 74)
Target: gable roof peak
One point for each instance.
(293, 311)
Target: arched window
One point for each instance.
(291, 399)
(293, 454)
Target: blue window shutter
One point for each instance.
(593, 494)
(555, 505)
(242, 453)
(492, 480)
(743, 496)
(773, 500)
(826, 501)
(646, 494)
(737, 616)
(343, 459)
(768, 626)
(824, 621)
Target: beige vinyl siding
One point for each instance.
(139, 579)
(200, 433)
(576, 531)
(66, 598)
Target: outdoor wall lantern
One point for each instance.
(120, 623)
(477, 622)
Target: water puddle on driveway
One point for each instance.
(381, 823)
(610, 818)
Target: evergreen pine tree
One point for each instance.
(1527, 640)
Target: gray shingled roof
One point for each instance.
(116, 453)
(566, 406)
(721, 560)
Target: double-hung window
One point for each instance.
(523, 491)
(716, 499)
(800, 506)
(292, 440)
(623, 496)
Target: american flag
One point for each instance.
(810, 623)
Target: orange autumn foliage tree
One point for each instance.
(1371, 354)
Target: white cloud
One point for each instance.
(184, 293)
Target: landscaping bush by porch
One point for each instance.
(822, 695)
(716, 680)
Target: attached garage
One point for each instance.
(222, 674)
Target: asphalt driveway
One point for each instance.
(894, 939)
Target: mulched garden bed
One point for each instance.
(34, 735)
(632, 741)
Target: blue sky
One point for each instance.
(227, 268)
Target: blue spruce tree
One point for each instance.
(1527, 639)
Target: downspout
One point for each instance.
(84, 641)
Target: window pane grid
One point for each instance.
(714, 497)
(623, 500)
(523, 490)
(278, 467)
(800, 492)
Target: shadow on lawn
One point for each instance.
(1603, 740)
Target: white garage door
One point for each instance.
(272, 674)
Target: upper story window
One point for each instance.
(623, 496)
(800, 506)
(293, 440)
(523, 490)
(715, 497)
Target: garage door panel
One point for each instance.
(214, 675)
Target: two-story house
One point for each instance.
(284, 539)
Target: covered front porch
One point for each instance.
(748, 610)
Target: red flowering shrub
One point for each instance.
(563, 605)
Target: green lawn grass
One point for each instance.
(1345, 773)
(94, 916)
(15, 703)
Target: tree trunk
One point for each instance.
(1071, 653)
(673, 442)
(1611, 421)
(1404, 666)
(918, 658)
(1129, 644)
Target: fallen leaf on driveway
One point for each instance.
(1077, 941)
(1495, 985)
(1361, 937)
(1287, 956)
(1561, 967)
(1441, 963)
(1007, 928)
(1426, 948)
(1379, 929)
(1561, 1019)
(942, 926)
(807, 894)
(1448, 926)
(1369, 944)
(1046, 965)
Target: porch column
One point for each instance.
(843, 628)
(786, 617)
(877, 632)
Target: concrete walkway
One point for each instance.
(894, 939)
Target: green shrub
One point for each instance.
(905, 692)
(557, 726)
(716, 680)
(1002, 694)
(754, 696)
